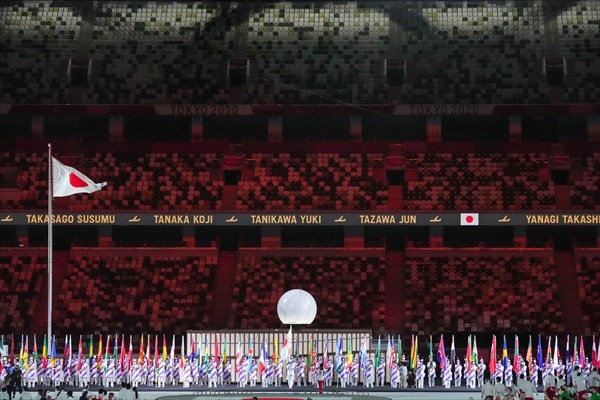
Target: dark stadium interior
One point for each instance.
(348, 110)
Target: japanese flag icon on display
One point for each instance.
(469, 219)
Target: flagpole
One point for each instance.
(50, 182)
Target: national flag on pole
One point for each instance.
(115, 355)
(441, 353)
(12, 349)
(416, 353)
(469, 354)
(529, 355)
(91, 350)
(556, 355)
(67, 181)
(192, 355)
(575, 353)
(238, 357)
(594, 360)
(452, 351)
(378, 353)
(310, 350)
(516, 364)
(286, 350)
(325, 350)
(493, 356)
(165, 356)
(217, 353)
(182, 358)
(99, 356)
(388, 353)
(156, 358)
(262, 358)
(250, 354)
(362, 352)
(224, 358)
(581, 353)
(53, 352)
(430, 349)
(142, 353)
(567, 353)
(122, 360)
(399, 352)
(106, 353)
(172, 353)
(275, 351)
(338, 355)
(130, 354)
(25, 353)
(504, 354)
(392, 359)
(412, 351)
(540, 358)
(67, 351)
(80, 354)
(549, 352)
(35, 352)
(475, 352)
(44, 353)
(314, 352)
(349, 353)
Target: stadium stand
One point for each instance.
(584, 192)
(579, 35)
(479, 182)
(350, 288)
(461, 292)
(169, 53)
(588, 277)
(311, 52)
(136, 293)
(312, 181)
(482, 52)
(143, 52)
(21, 276)
(38, 40)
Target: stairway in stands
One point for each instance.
(394, 291)
(229, 197)
(224, 283)
(60, 262)
(395, 197)
(568, 291)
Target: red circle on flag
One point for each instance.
(469, 219)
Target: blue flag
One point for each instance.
(540, 357)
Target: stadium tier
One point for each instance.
(307, 181)
(463, 293)
(351, 289)
(369, 52)
(136, 293)
(20, 278)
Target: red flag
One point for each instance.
(493, 356)
(581, 353)
(122, 361)
(216, 346)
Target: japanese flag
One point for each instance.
(67, 181)
(469, 219)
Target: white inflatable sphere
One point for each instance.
(297, 307)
